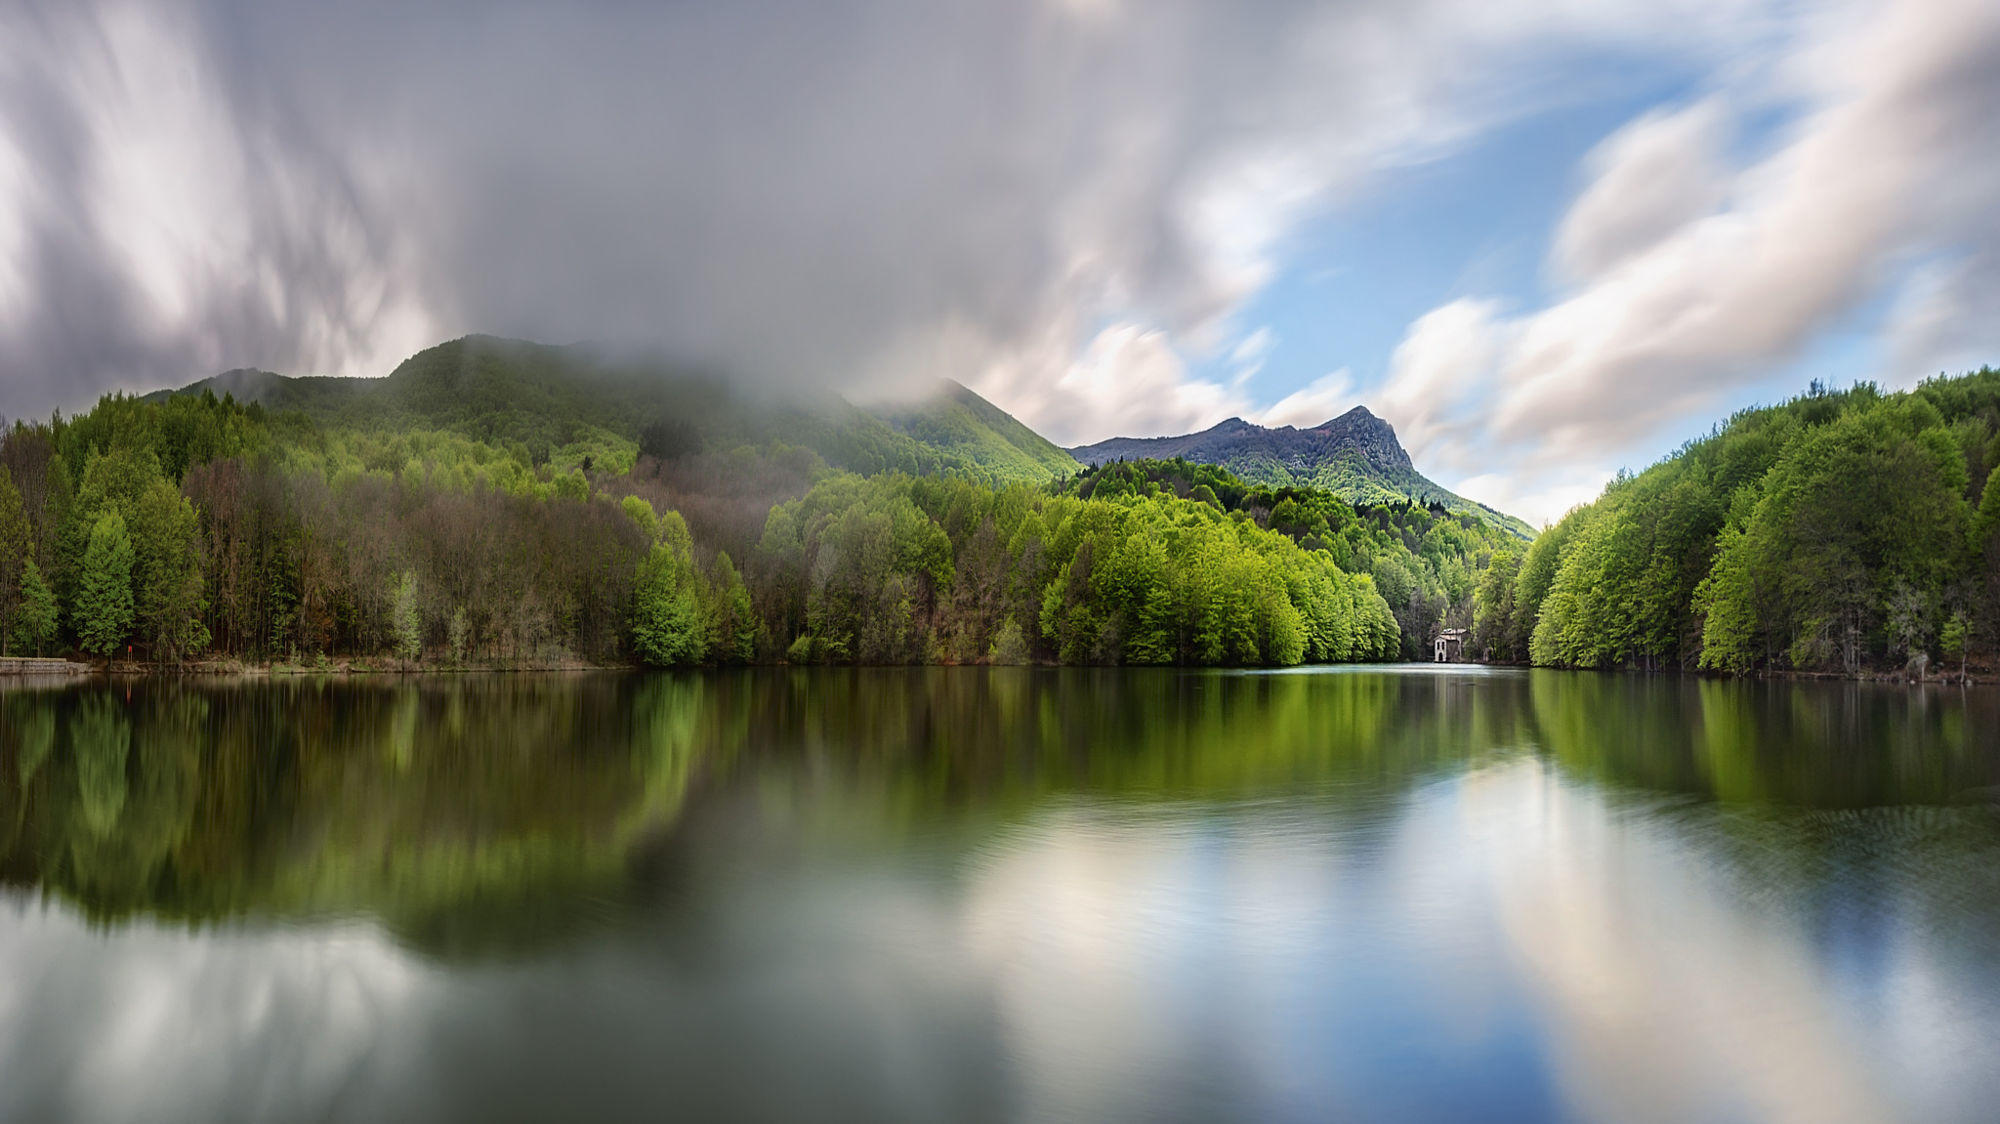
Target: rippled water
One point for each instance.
(970, 894)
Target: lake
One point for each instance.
(971, 894)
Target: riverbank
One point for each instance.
(1973, 675)
(1970, 675)
(282, 668)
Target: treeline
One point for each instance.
(195, 525)
(897, 569)
(1425, 559)
(1839, 531)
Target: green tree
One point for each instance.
(16, 542)
(405, 621)
(36, 619)
(1010, 645)
(669, 626)
(457, 632)
(732, 626)
(1952, 640)
(168, 590)
(103, 609)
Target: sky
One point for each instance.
(1546, 241)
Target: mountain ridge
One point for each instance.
(566, 401)
(1355, 455)
(545, 397)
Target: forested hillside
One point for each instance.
(570, 407)
(485, 505)
(1425, 560)
(1355, 456)
(1839, 531)
(379, 524)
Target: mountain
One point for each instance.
(958, 421)
(1355, 455)
(547, 398)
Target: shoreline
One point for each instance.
(56, 667)
(1973, 676)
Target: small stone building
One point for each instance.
(1450, 646)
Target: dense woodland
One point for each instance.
(193, 526)
(1842, 531)
(1424, 559)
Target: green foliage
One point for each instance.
(892, 569)
(1423, 559)
(497, 498)
(993, 445)
(16, 545)
(458, 634)
(1493, 605)
(35, 619)
(732, 617)
(103, 609)
(168, 585)
(556, 408)
(1010, 645)
(406, 623)
(669, 623)
(1826, 533)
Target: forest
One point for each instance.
(196, 527)
(431, 519)
(1843, 531)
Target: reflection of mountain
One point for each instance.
(478, 812)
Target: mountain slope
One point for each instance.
(546, 398)
(958, 421)
(1355, 456)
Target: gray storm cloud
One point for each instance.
(799, 191)
(811, 193)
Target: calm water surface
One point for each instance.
(963, 894)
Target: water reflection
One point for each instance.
(994, 894)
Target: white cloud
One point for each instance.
(1946, 319)
(1540, 498)
(1438, 379)
(1650, 178)
(1129, 381)
(1811, 230)
(1249, 354)
(1696, 281)
(1323, 399)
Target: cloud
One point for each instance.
(1650, 179)
(1946, 318)
(815, 194)
(1694, 281)
(1130, 380)
(1248, 356)
(1321, 400)
(1067, 204)
(153, 230)
(1438, 379)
